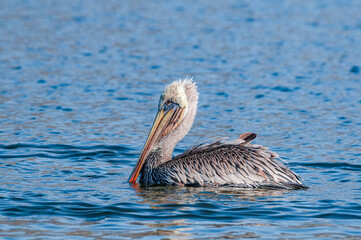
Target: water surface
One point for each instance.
(79, 86)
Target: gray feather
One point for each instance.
(218, 163)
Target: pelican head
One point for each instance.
(176, 111)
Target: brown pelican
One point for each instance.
(234, 163)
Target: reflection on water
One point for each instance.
(191, 195)
(79, 86)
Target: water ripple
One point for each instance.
(79, 87)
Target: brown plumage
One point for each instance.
(234, 163)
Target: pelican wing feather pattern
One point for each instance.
(226, 163)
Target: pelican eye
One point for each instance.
(168, 102)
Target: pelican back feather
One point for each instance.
(234, 163)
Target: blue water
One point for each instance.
(79, 86)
